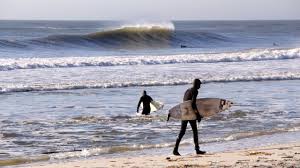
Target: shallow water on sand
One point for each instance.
(102, 121)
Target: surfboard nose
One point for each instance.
(230, 103)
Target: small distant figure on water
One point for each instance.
(183, 46)
(190, 94)
(275, 44)
(146, 100)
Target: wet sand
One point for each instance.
(283, 155)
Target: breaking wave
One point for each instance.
(137, 36)
(99, 84)
(64, 62)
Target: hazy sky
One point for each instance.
(150, 9)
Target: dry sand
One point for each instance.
(285, 155)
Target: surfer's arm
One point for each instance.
(194, 98)
(194, 106)
(138, 106)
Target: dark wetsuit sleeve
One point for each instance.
(138, 106)
(194, 98)
(150, 99)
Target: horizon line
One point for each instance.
(150, 20)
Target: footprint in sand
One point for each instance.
(287, 157)
(258, 153)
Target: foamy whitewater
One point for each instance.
(69, 89)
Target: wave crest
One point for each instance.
(143, 26)
(251, 55)
(176, 81)
(129, 36)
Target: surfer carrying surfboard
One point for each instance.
(190, 116)
(146, 100)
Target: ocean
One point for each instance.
(69, 89)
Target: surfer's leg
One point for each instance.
(182, 130)
(193, 124)
(146, 111)
(181, 134)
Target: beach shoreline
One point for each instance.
(70, 89)
(282, 155)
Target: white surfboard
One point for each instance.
(207, 107)
(154, 105)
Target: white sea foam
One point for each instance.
(16, 87)
(135, 147)
(63, 62)
(107, 150)
(150, 25)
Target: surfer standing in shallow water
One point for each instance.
(190, 94)
(146, 100)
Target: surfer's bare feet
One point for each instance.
(176, 153)
(200, 152)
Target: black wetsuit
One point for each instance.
(190, 94)
(146, 100)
